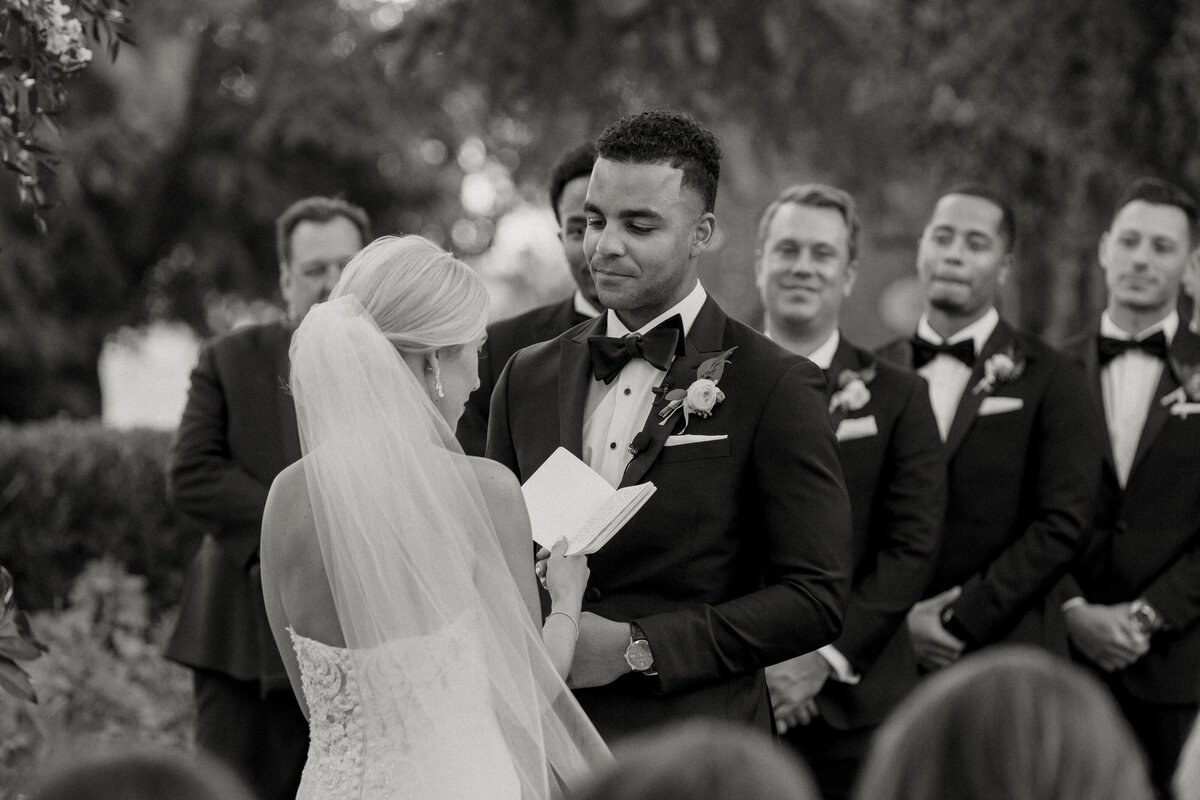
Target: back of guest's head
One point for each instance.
(316, 209)
(816, 195)
(669, 137)
(1012, 723)
(702, 760)
(576, 163)
(142, 775)
(420, 296)
(1158, 192)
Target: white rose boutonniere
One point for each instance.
(852, 393)
(1003, 367)
(702, 396)
(1186, 399)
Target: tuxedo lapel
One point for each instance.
(1091, 366)
(968, 405)
(574, 380)
(1157, 416)
(846, 357)
(703, 342)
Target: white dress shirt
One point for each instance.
(947, 376)
(1128, 383)
(616, 412)
(582, 306)
(823, 355)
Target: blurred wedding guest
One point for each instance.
(568, 190)
(1186, 782)
(1011, 723)
(1134, 611)
(702, 760)
(828, 701)
(1021, 442)
(142, 774)
(237, 433)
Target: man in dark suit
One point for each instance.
(1020, 438)
(829, 701)
(741, 557)
(237, 433)
(568, 188)
(1134, 610)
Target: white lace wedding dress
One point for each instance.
(437, 740)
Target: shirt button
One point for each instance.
(612, 445)
(628, 390)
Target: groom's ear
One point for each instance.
(702, 233)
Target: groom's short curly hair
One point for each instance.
(672, 137)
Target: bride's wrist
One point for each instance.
(572, 608)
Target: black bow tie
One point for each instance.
(1109, 348)
(657, 346)
(925, 351)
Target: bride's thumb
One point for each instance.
(560, 547)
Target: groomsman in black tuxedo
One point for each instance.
(829, 701)
(568, 188)
(741, 557)
(1020, 435)
(1136, 605)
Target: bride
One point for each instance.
(398, 572)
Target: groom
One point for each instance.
(741, 558)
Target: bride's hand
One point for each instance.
(565, 576)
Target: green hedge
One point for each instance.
(72, 492)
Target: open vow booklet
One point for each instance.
(568, 498)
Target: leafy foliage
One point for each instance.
(102, 682)
(17, 643)
(73, 492)
(42, 45)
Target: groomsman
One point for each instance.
(1136, 605)
(237, 433)
(1020, 435)
(829, 701)
(741, 557)
(568, 188)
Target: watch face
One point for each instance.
(638, 655)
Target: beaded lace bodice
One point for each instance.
(409, 719)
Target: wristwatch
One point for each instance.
(1145, 617)
(637, 654)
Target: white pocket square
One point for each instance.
(1000, 405)
(856, 428)
(692, 438)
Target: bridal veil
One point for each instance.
(452, 672)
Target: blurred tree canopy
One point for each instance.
(438, 115)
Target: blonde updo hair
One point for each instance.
(421, 297)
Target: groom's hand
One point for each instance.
(599, 653)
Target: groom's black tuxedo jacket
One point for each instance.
(1021, 489)
(1146, 537)
(740, 559)
(896, 480)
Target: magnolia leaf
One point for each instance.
(676, 394)
(15, 681)
(18, 649)
(714, 368)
